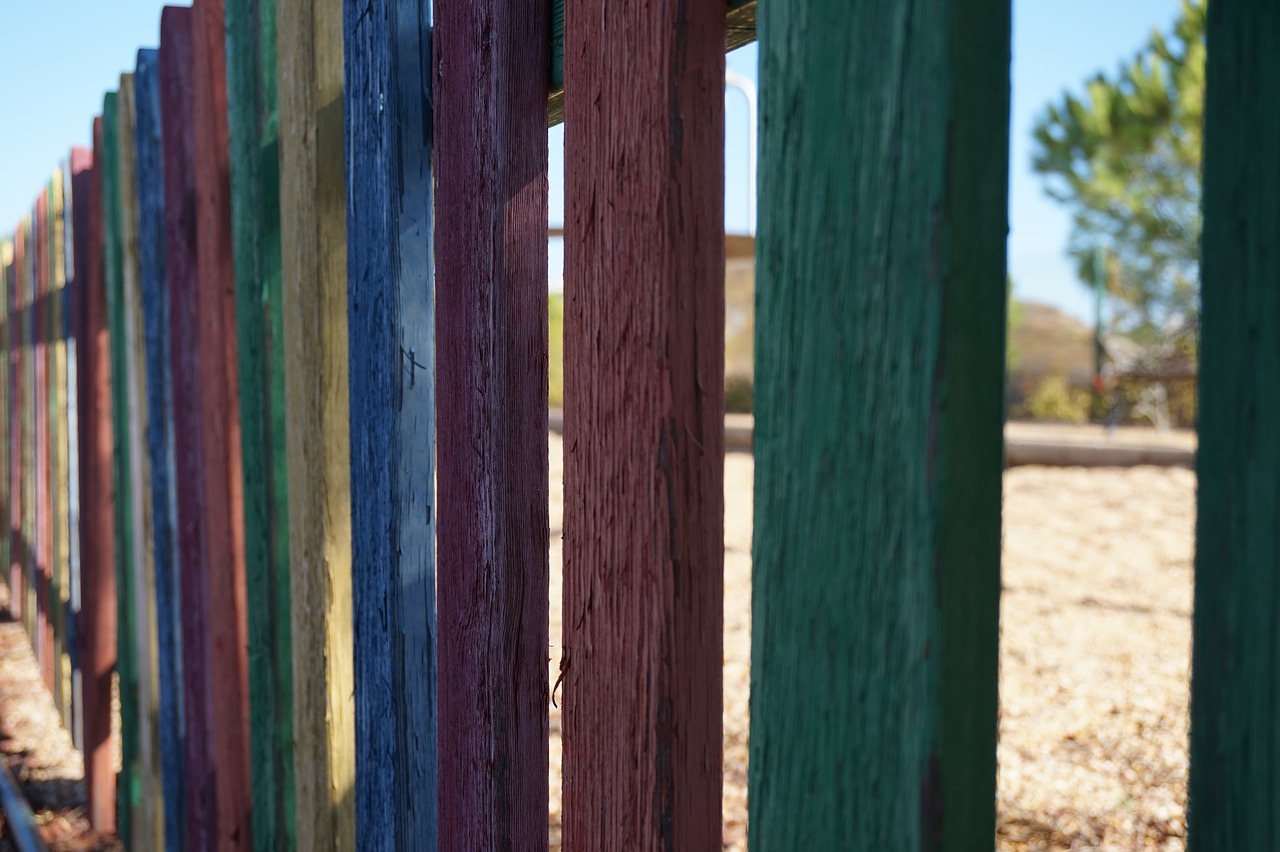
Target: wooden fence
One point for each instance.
(275, 405)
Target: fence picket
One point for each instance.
(255, 169)
(491, 382)
(878, 442)
(392, 328)
(314, 303)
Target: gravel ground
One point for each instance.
(1094, 666)
(39, 751)
(1094, 658)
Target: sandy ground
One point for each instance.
(1094, 661)
(1094, 665)
(39, 751)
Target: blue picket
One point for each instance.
(392, 398)
(155, 308)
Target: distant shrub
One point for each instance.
(1054, 399)
(739, 394)
(555, 351)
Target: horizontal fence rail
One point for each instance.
(274, 468)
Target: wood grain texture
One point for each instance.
(58, 449)
(43, 536)
(149, 818)
(130, 791)
(30, 426)
(392, 397)
(17, 542)
(644, 427)
(223, 482)
(7, 284)
(178, 134)
(879, 335)
(490, 92)
(98, 581)
(314, 301)
(220, 434)
(81, 158)
(159, 438)
(740, 29)
(1234, 784)
(30, 463)
(251, 72)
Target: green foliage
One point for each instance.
(1125, 156)
(1012, 357)
(555, 350)
(739, 393)
(1054, 399)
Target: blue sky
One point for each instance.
(49, 104)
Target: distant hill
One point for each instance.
(1049, 342)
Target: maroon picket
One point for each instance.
(644, 425)
(491, 344)
(178, 133)
(97, 555)
(220, 430)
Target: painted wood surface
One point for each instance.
(220, 434)
(73, 306)
(491, 346)
(1234, 784)
(42, 639)
(7, 283)
(251, 81)
(17, 542)
(149, 818)
(58, 420)
(98, 590)
(314, 302)
(740, 29)
(159, 439)
(644, 359)
(878, 445)
(178, 135)
(392, 388)
(129, 792)
(29, 498)
(31, 439)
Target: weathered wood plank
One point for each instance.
(220, 430)
(43, 535)
(8, 281)
(491, 342)
(97, 636)
(17, 396)
(30, 463)
(251, 72)
(6, 394)
(178, 134)
(148, 818)
(159, 438)
(879, 341)
(73, 305)
(30, 466)
(392, 325)
(740, 29)
(314, 301)
(130, 791)
(644, 427)
(1234, 785)
(61, 473)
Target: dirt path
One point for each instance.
(1094, 666)
(1094, 655)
